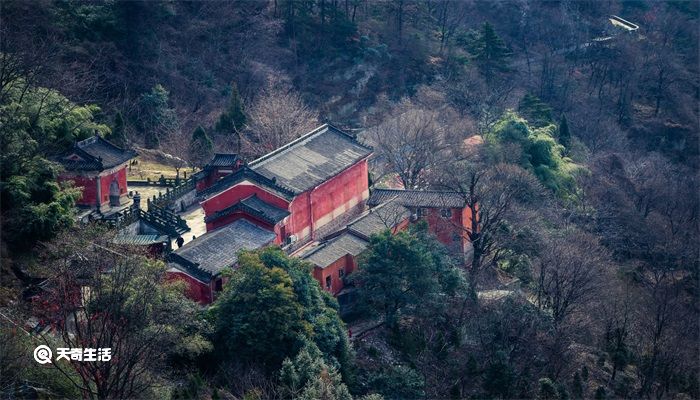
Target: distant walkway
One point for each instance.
(614, 20)
(194, 216)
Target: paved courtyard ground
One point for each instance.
(194, 216)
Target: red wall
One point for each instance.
(447, 229)
(238, 192)
(346, 263)
(106, 180)
(196, 290)
(89, 187)
(339, 193)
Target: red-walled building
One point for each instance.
(296, 190)
(200, 262)
(309, 196)
(221, 165)
(98, 167)
(447, 214)
(336, 257)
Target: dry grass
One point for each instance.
(145, 169)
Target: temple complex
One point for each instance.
(312, 198)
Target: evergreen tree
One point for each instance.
(548, 390)
(156, 118)
(233, 118)
(309, 377)
(564, 134)
(271, 308)
(397, 382)
(499, 377)
(201, 147)
(535, 111)
(577, 386)
(35, 124)
(118, 134)
(405, 274)
(258, 318)
(563, 392)
(600, 393)
(490, 52)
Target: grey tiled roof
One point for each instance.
(275, 214)
(254, 206)
(311, 159)
(245, 173)
(210, 253)
(378, 219)
(416, 198)
(223, 160)
(96, 154)
(332, 250)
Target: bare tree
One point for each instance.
(276, 117)
(568, 274)
(494, 194)
(412, 141)
(102, 297)
(471, 95)
(667, 331)
(449, 15)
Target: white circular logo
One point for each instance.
(42, 354)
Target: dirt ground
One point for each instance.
(145, 168)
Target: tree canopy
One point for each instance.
(405, 274)
(201, 147)
(233, 119)
(273, 293)
(156, 118)
(490, 52)
(37, 124)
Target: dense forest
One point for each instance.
(577, 140)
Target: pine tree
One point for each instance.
(118, 134)
(308, 376)
(600, 393)
(577, 386)
(490, 52)
(233, 118)
(499, 377)
(535, 111)
(564, 134)
(548, 390)
(157, 120)
(201, 147)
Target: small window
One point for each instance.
(341, 273)
(329, 281)
(421, 212)
(219, 285)
(445, 213)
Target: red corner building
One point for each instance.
(297, 190)
(98, 167)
